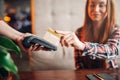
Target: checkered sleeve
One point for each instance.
(108, 51)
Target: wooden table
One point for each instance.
(65, 74)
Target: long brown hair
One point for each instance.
(107, 26)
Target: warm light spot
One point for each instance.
(7, 18)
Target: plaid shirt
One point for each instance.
(108, 51)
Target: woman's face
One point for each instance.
(97, 10)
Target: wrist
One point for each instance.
(19, 37)
(81, 46)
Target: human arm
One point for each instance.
(108, 50)
(95, 50)
(8, 31)
(17, 36)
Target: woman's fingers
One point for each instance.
(67, 38)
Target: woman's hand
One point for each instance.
(70, 39)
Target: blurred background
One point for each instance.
(36, 16)
(17, 14)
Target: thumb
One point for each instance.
(62, 32)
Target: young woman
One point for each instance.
(98, 41)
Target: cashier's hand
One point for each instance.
(34, 47)
(70, 39)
